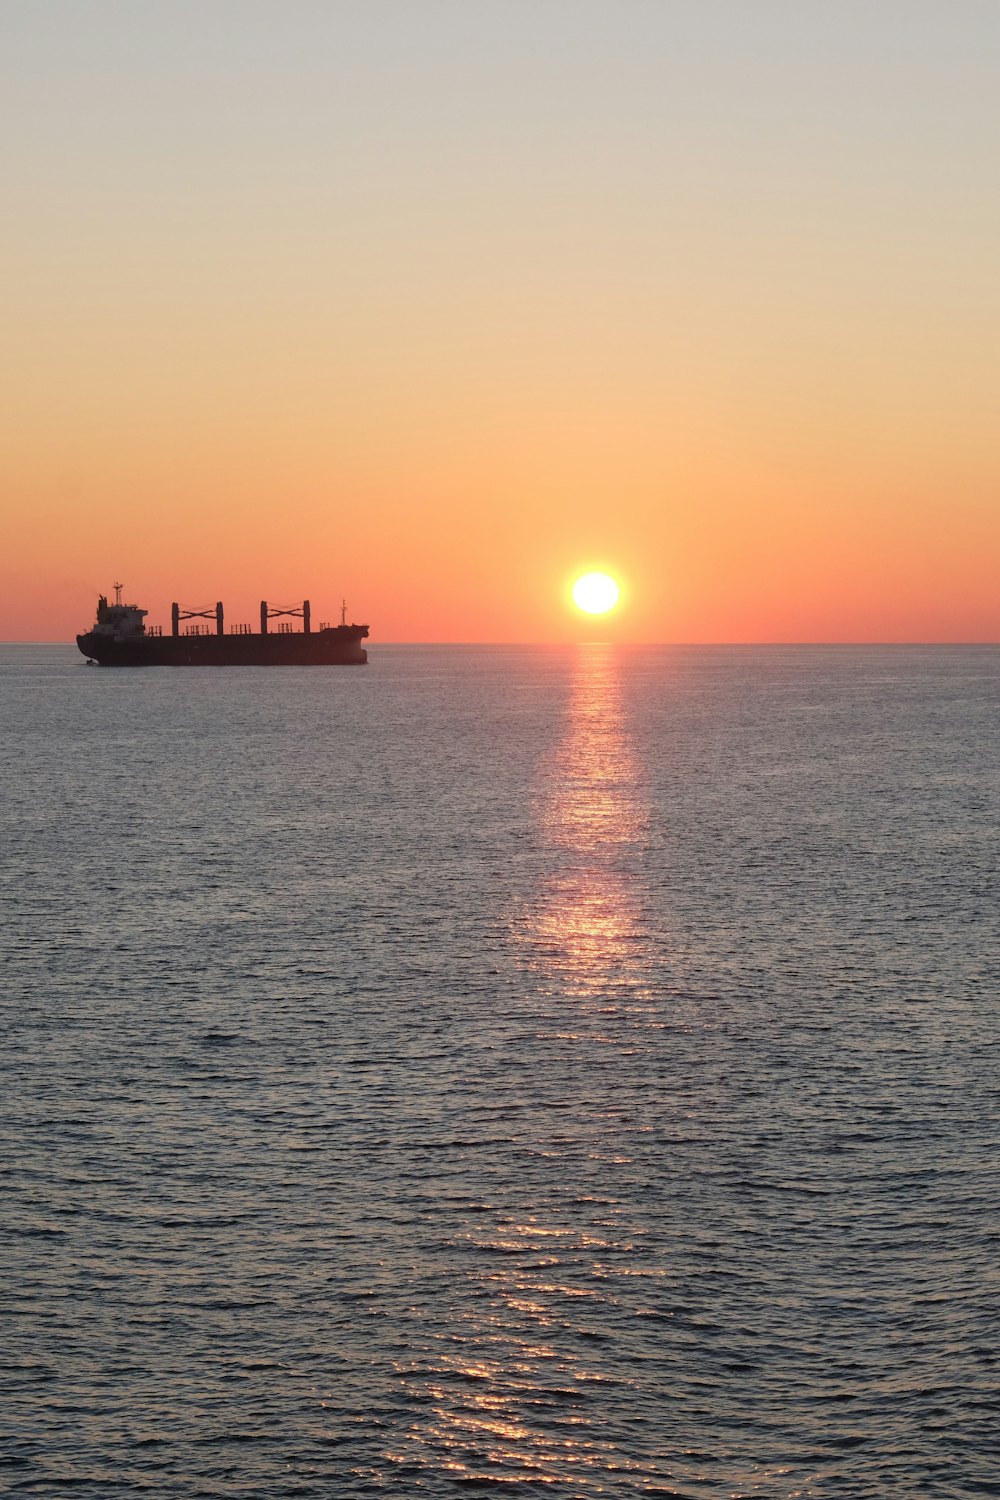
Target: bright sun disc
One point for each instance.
(595, 593)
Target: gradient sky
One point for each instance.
(435, 303)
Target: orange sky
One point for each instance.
(435, 306)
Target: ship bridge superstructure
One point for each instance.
(122, 622)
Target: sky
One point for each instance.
(435, 304)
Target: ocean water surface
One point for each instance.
(565, 1072)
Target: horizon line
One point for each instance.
(699, 645)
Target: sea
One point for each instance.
(522, 1071)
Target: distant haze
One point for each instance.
(435, 305)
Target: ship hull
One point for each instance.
(337, 647)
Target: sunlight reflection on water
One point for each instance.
(586, 930)
(502, 1403)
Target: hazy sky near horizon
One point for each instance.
(435, 304)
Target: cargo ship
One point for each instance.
(120, 637)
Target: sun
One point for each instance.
(595, 593)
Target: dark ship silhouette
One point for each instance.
(120, 637)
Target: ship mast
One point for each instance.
(343, 611)
(118, 593)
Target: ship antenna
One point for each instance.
(343, 611)
(118, 593)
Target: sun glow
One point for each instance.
(595, 593)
